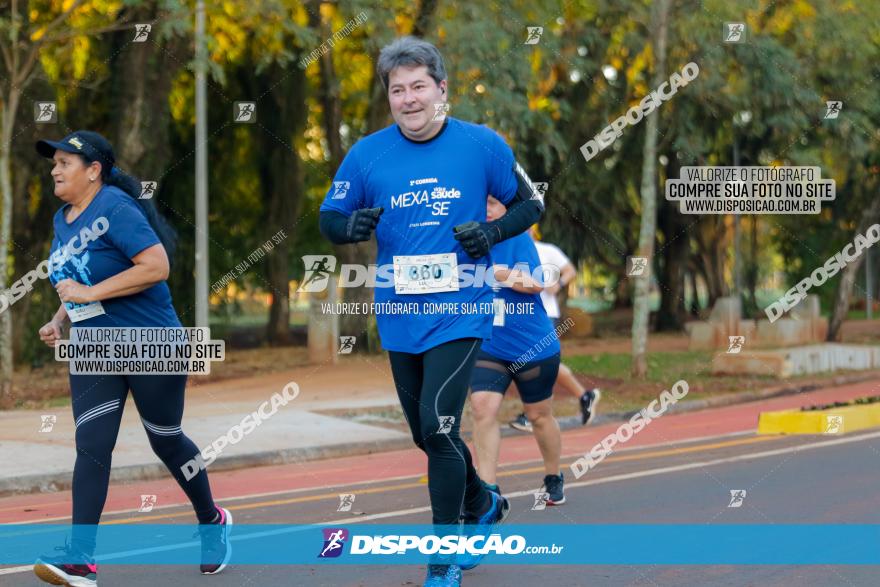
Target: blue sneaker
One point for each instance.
(554, 486)
(483, 525)
(72, 568)
(443, 576)
(216, 548)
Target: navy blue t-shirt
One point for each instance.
(523, 330)
(426, 188)
(116, 230)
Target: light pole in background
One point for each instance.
(201, 261)
(740, 119)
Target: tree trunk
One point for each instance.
(622, 293)
(849, 273)
(648, 230)
(694, 308)
(675, 252)
(331, 105)
(282, 179)
(711, 243)
(31, 231)
(752, 267)
(10, 102)
(141, 79)
(10, 105)
(21, 56)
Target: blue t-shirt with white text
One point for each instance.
(426, 188)
(127, 233)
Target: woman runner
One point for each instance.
(117, 279)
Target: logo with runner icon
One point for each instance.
(47, 422)
(340, 189)
(147, 503)
(245, 112)
(45, 112)
(318, 271)
(141, 32)
(346, 344)
(541, 500)
(737, 496)
(446, 424)
(637, 266)
(832, 109)
(148, 188)
(735, 32)
(440, 111)
(735, 344)
(346, 500)
(833, 424)
(533, 35)
(334, 541)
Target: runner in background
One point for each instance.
(523, 349)
(552, 255)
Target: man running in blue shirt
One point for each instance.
(427, 177)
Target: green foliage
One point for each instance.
(547, 99)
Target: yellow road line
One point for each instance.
(656, 453)
(323, 496)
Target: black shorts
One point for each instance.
(533, 380)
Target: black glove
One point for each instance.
(477, 238)
(361, 224)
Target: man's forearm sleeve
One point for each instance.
(519, 217)
(333, 226)
(526, 208)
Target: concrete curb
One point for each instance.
(726, 400)
(62, 480)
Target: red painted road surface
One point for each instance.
(407, 463)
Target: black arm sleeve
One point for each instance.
(333, 227)
(526, 208)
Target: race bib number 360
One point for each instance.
(420, 274)
(80, 312)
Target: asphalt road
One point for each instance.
(788, 480)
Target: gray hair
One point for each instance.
(408, 52)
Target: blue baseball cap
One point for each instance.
(82, 142)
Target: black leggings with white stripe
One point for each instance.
(432, 386)
(97, 402)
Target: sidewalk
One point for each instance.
(43, 461)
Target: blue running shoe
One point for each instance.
(443, 576)
(553, 485)
(216, 548)
(72, 569)
(483, 525)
